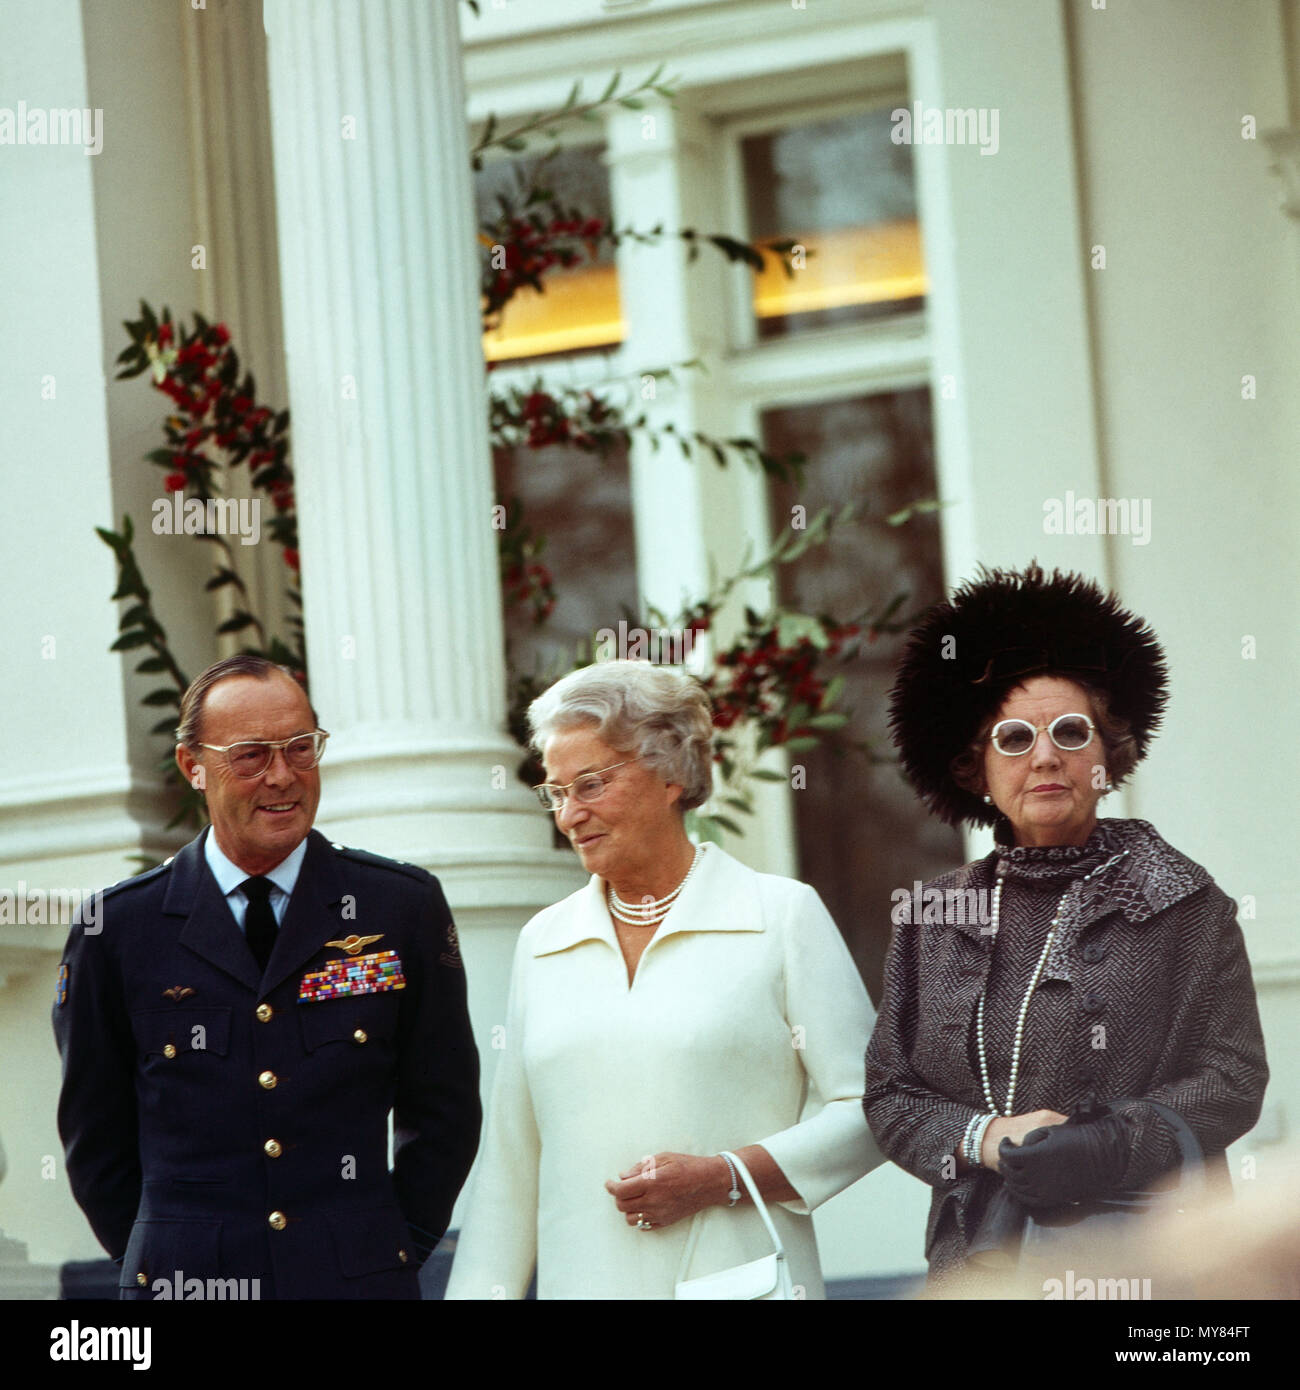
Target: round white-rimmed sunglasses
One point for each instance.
(1015, 737)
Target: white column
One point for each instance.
(380, 301)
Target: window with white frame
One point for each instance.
(832, 361)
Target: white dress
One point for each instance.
(746, 1022)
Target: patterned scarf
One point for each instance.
(1056, 865)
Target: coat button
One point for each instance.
(1094, 951)
(1092, 1002)
(264, 1012)
(142, 1278)
(360, 1036)
(169, 1050)
(401, 1255)
(268, 1081)
(272, 1148)
(277, 1221)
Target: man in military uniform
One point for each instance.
(237, 1025)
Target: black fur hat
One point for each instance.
(999, 630)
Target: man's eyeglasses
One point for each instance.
(588, 787)
(1069, 732)
(302, 753)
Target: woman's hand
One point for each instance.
(1075, 1162)
(1014, 1127)
(670, 1187)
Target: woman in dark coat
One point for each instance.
(1082, 962)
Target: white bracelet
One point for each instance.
(977, 1139)
(966, 1139)
(734, 1195)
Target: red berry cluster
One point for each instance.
(524, 579)
(193, 379)
(532, 583)
(778, 687)
(214, 410)
(522, 248)
(537, 418)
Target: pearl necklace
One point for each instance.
(1029, 993)
(649, 914)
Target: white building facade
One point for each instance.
(1107, 311)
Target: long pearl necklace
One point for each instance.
(1029, 993)
(650, 914)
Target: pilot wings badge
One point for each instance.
(353, 945)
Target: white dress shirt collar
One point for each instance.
(230, 876)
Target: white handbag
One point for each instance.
(768, 1277)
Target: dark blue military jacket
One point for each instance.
(221, 1126)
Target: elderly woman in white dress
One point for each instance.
(677, 1006)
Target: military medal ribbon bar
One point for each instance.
(360, 975)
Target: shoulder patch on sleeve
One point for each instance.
(451, 956)
(61, 988)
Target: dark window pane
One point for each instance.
(582, 504)
(861, 830)
(842, 189)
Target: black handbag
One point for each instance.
(1094, 1240)
(1087, 1240)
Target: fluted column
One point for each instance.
(379, 280)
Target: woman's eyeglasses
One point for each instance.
(588, 787)
(1069, 732)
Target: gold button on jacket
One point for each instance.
(264, 1012)
(359, 1036)
(277, 1221)
(169, 1050)
(273, 1148)
(268, 1080)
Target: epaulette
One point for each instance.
(138, 880)
(377, 861)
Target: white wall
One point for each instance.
(1201, 289)
(64, 776)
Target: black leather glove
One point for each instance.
(1071, 1162)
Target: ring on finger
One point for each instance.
(642, 1224)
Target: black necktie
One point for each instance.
(259, 921)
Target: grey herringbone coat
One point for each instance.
(1147, 992)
